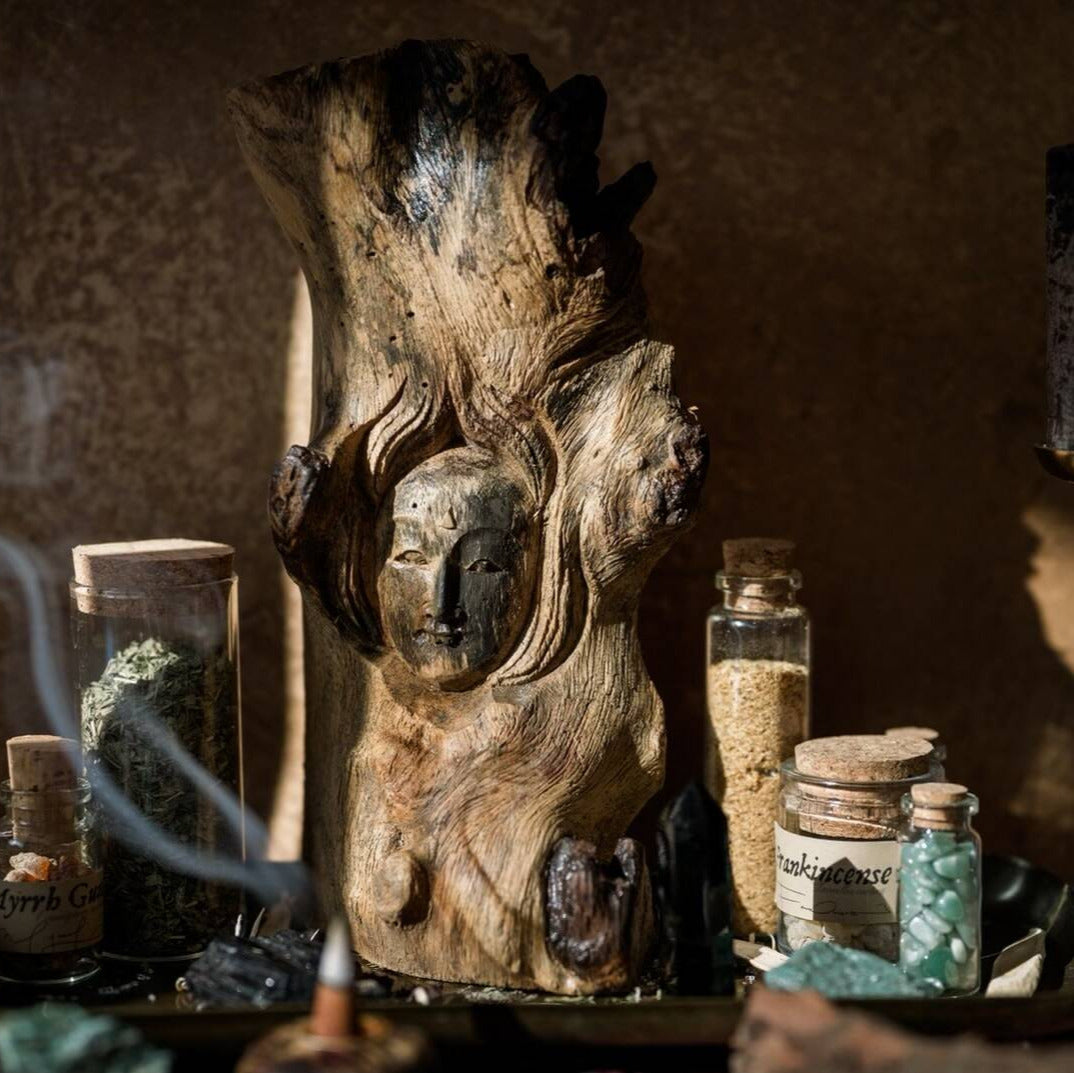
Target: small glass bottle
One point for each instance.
(758, 707)
(50, 872)
(155, 627)
(940, 888)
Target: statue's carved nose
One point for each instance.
(445, 626)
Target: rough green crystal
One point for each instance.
(53, 1038)
(840, 972)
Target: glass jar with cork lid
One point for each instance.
(940, 888)
(155, 627)
(757, 667)
(837, 849)
(51, 893)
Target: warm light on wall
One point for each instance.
(285, 822)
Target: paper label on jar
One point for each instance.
(42, 917)
(828, 879)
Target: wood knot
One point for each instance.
(293, 482)
(401, 890)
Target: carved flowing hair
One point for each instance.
(511, 431)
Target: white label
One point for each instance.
(40, 917)
(827, 879)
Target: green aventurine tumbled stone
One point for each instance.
(911, 952)
(966, 889)
(934, 844)
(949, 906)
(967, 931)
(936, 962)
(953, 866)
(920, 930)
(839, 972)
(936, 922)
(926, 878)
(911, 900)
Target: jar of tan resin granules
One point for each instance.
(837, 850)
(758, 707)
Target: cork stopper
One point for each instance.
(133, 566)
(924, 733)
(42, 762)
(144, 568)
(936, 805)
(758, 557)
(863, 758)
(938, 794)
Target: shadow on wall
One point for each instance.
(938, 558)
(850, 264)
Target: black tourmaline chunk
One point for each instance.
(694, 891)
(259, 972)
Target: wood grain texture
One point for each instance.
(497, 460)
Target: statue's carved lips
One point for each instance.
(441, 634)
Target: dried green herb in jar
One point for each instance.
(149, 688)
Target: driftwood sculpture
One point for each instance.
(497, 460)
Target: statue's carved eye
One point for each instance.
(412, 558)
(483, 566)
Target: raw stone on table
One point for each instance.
(66, 1039)
(263, 971)
(258, 972)
(693, 883)
(838, 972)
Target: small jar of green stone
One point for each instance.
(940, 888)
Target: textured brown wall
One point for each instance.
(845, 246)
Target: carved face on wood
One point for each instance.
(456, 566)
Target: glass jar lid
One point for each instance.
(863, 758)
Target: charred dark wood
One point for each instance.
(694, 892)
(597, 913)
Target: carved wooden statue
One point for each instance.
(497, 460)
